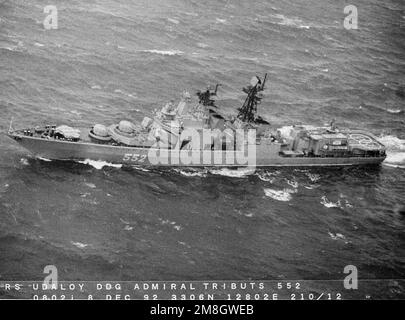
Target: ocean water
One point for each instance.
(111, 60)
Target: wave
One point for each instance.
(24, 161)
(218, 20)
(90, 185)
(100, 164)
(171, 223)
(140, 168)
(292, 183)
(330, 204)
(395, 111)
(233, 173)
(290, 22)
(15, 48)
(265, 176)
(311, 187)
(79, 244)
(280, 195)
(44, 159)
(314, 177)
(175, 21)
(191, 173)
(336, 236)
(202, 45)
(19, 47)
(164, 52)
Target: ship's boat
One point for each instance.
(198, 133)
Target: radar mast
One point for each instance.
(247, 113)
(205, 98)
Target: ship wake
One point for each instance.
(395, 151)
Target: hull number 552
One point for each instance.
(134, 157)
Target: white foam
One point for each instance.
(292, 183)
(348, 204)
(280, 195)
(191, 173)
(173, 20)
(164, 221)
(313, 176)
(24, 161)
(393, 165)
(202, 45)
(193, 14)
(37, 44)
(265, 177)
(330, 204)
(172, 223)
(237, 173)
(10, 48)
(218, 20)
(291, 22)
(76, 112)
(337, 236)
(123, 221)
(395, 159)
(291, 190)
(44, 159)
(314, 186)
(90, 185)
(394, 110)
(79, 244)
(248, 59)
(140, 168)
(165, 52)
(392, 142)
(100, 164)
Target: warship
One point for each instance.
(196, 133)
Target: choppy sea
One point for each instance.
(111, 60)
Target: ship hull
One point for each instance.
(79, 151)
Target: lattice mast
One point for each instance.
(206, 97)
(247, 113)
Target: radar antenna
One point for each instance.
(11, 129)
(205, 98)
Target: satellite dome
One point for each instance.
(126, 127)
(100, 130)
